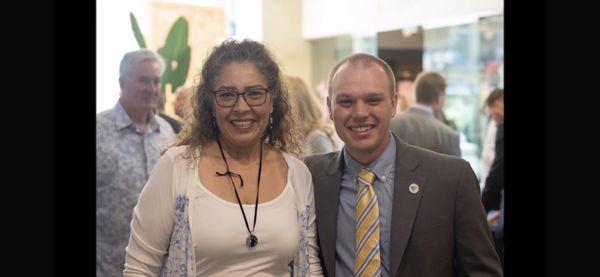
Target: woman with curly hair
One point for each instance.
(229, 198)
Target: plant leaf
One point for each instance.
(176, 54)
(180, 73)
(177, 39)
(175, 76)
(136, 31)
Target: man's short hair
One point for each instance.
(428, 87)
(494, 96)
(364, 60)
(134, 57)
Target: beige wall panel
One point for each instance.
(206, 27)
(282, 30)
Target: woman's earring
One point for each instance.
(268, 134)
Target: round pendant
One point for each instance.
(251, 241)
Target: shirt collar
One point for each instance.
(122, 119)
(381, 166)
(423, 107)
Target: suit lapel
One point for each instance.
(327, 199)
(405, 204)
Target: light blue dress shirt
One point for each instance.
(383, 168)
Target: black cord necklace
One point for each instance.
(252, 240)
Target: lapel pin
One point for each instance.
(413, 188)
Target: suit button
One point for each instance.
(413, 188)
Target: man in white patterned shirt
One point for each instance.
(129, 138)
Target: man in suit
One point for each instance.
(160, 110)
(418, 125)
(385, 208)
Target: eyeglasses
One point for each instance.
(254, 97)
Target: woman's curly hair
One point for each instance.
(198, 129)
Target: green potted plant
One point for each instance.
(176, 52)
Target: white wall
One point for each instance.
(282, 33)
(114, 38)
(320, 18)
(326, 18)
(248, 15)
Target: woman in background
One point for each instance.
(315, 136)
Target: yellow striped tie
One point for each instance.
(368, 259)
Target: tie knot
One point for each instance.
(366, 177)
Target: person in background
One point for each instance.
(182, 100)
(229, 198)
(493, 193)
(384, 207)
(494, 109)
(405, 90)
(418, 126)
(129, 138)
(316, 137)
(493, 189)
(321, 91)
(175, 124)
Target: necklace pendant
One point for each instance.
(251, 241)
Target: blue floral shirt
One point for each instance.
(124, 159)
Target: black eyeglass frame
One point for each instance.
(241, 95)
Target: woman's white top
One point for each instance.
(179, 228)
(222, 240)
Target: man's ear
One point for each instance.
(394, 103)
(329, 107)
(121, 82)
